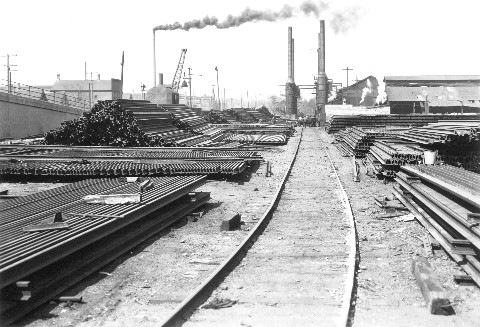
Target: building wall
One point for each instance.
(21, 117)
(364, 93)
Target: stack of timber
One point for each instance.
(446, 201)
(340, 122)
(41, 257)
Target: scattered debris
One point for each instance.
(219, 303)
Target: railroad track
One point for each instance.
(298, 265)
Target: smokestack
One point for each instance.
(321, 48)
(322, 80)
(160, 79)
(290, 59)
(293, 61)
(154, 62)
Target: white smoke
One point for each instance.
(382, 94)
(366, 90)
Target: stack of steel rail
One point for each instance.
(388, 156)
(449, 132)
(339, 122)
(105, 161)
(187, 118)
(36, 266)
(446, 201)
(155, 120)
(356, 141)
(258, 139)
(83, 168)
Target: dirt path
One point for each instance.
(294, 275)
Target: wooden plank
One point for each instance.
(432, 291)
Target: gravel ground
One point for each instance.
(141, 288)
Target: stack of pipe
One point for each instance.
(446, 201)
(339, 122)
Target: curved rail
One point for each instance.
(195, 299)
(348, 304)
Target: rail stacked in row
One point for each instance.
(450, 133)
(258, 139)
(34, 267)
(35, 151)
(339, 122)
(118, 168)
(446, 201)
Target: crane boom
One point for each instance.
(178, 72)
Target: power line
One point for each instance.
(347, 69)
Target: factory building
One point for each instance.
(89, 90)
(433, 94)
(362, 93)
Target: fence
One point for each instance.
(27, 91)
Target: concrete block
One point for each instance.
(231, 223)
(433, 293)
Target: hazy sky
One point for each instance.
(373, 37)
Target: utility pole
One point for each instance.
(347, 69)
(9, 72)
(218, 92)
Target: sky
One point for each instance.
(372, 37)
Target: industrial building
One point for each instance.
(362, 93)
(433, 94)
(90, 90)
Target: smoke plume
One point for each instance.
(344, 20)
(366, 90)
(249, 15)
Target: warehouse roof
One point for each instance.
(430, 78)
(439, 93)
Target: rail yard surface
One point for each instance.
(294, 274)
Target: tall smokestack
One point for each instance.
(293, 61)
(290, 56)
(322, 80)
(154, 63)
(321, 48)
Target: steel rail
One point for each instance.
(75, 239)
(353, 257)
(195, 297)
(463, 194)
(469, 263)
(185, 306)
(54, 280)
(447, 215)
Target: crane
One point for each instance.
(178, 72)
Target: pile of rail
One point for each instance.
(356, 141)
(258, 139)
(449, 132)
(158, 121)
(104, 161)
(41, 256)
(340, 122)
(446, 201)
(386, 157)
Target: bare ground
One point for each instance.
(141, 288)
